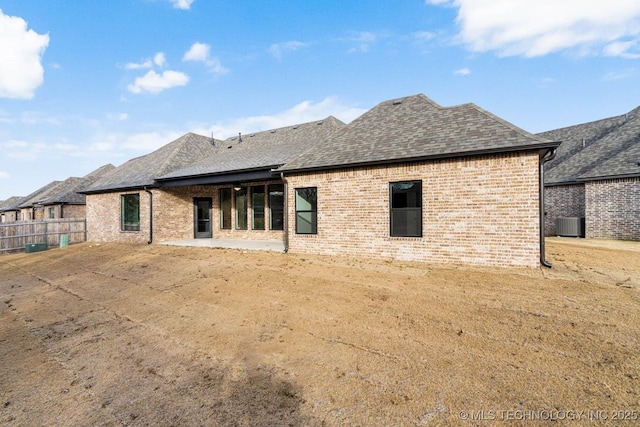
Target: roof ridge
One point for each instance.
(295, 125)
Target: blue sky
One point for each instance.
(86, 83)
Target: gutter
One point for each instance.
(150, 216)
(285, 218)
(544, 158)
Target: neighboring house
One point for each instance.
(26, 209)
(9, 209)
(65, 201)
(408, 180)
(596, 176)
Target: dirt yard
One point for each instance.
(114, 335)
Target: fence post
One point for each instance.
(46, 240)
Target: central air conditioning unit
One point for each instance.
(570, 227)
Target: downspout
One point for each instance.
(544, 158)
(285, 219)
(150, 216)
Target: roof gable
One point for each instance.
(413, 128)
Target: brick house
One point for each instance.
(9, 209)
(596, 176)
(409, 180)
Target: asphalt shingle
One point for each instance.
(142, 171)
(595, 150)
(260, 150)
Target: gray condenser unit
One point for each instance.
(570, 227)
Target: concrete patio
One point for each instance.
(253, 245)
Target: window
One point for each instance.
(257, 207)
(306, 210)
(241, 209)
(130, 212)
(52, 213)
(225, 208)
(406, 208)
(276, 206)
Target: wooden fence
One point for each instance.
(15, 236)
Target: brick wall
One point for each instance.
(103, 218)
(562, 201)
(613, 209)
(71, 211)
(480, 211)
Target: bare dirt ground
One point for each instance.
(113, 335)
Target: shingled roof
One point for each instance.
(142, 171)
(596, 150)
(10, 204)
(261, 150)
(67, 192)
(416, 128)
(37, 195)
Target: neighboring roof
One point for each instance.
(261, 150)
(67, 193)
(142, 171)
(416, 128)
(10, 204)
(39, 194)
(596, 150)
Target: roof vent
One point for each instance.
(295, 127)
(397, 102)
(320, 122)
(273, 131)
(239, 136)
(231, 146)
(233, 138)
(252, 135)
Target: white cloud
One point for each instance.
(21, 50)
(303, 112)
(159, 59)
(538, 27)
(197, 52)
(277, 49)
(423, 35)
(201, 52)
(462, 72)
(182, 4)
(363, 40)
(4, 174)
(622, 48)
(137, 65)
(118, 116)
(620, 75)
(155, 83)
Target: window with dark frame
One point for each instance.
(276, 206)
(52, 213)
(225, 209)
(257, 207)
(405, 209)
(307, 210)
(130, 212)
(241, 208)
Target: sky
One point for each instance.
(92, 82)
